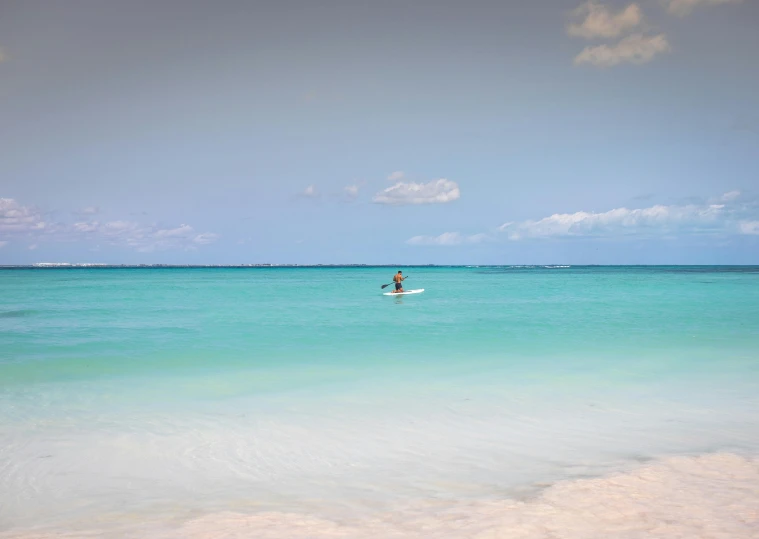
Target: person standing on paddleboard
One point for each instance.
(398, 278)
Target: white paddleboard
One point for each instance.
(419, 291)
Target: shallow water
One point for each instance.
(192, 400)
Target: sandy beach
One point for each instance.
(713, 496)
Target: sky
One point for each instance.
(395, 132)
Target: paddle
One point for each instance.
(388, 284)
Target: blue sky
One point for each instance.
(379, 132)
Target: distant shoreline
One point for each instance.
(67, 265)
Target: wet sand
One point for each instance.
(708, 496)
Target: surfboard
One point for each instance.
(419, 291)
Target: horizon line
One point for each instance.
(87, 265)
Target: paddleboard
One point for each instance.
(419, 291)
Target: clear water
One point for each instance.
(153, 395)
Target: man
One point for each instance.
(397, 279)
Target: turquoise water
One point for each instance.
(142, 390)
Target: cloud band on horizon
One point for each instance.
(19, 222)
(731, 214)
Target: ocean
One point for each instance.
(513, 401)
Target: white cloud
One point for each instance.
(730, 196)
(89, 210)
(33, 247)
(599, 21)
(617, 221)
(205, 238)
(656, 220)
(180, 232)
(447, 239)
(3, 244)
(750, 227)
(17, 220)
(396, 176)
(310, 192)
(148, 238)
(435, 192)
(351, 191)
(86, 226)
(635, 49)
(684, 7)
